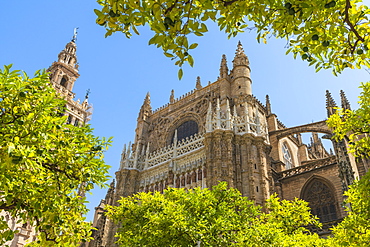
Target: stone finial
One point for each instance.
(330, 104)
(240, 58)
(123, 157)
(175, 137)
(239, 49)
(218, 114)
(172, 96)
(234, 111)
(174, 155)
(209, 118)
(146, 108)
(147, 99)
(228, 115)
(123, 154)
(224, 71)
(198, 85)
(258, 122)
(146, 156)
(299, 138)
(268, 105)
(344, 101)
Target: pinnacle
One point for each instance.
(147, 98)
(329, 100)
(223, 67)
(198, 85)
(344, 101)
(239, 49)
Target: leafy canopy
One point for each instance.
(46, 166)
(204, 217)
(353, 125)
(328, 34)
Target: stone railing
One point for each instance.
(177, 149)
(308, 167)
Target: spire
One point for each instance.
(344, 101)
(146, 108)
(198, 85)
(147, 99)
(240, 58)
(68, 55)
(239, 49)
(172, 96)
(64, 72)
(268, 105)
(330, 103)
(224, 71)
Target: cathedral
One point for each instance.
(221, 132)
(217, 132)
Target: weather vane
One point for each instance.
(74, 34)
(87, 93)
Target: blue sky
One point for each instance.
(119, 71)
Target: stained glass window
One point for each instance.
(287, 157)
(186, 129)
(321, 200)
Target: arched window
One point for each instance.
(186, 129)
(63, 82)
(287, 157)
(69, 119)
(76, 123)
(321, 200)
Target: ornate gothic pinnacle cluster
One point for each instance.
(239, 124)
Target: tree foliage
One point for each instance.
(354, 230)
(204, 217)
(328, 34)
(46, 166)
(354, 126)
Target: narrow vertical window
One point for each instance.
(287, 157)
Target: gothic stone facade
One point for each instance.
(221, 132)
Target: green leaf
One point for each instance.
(193, 46)
(180, 74)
